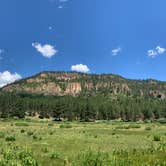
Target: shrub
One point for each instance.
(10, 138)
(162, 120)
(21, 124)
(22, 131)
(134, 126)
(27, 159)
(148, 128)
(15, 157)
(65, 126)
(95, 136)
(35, 137)
(55, 155)
(147, 121)
(113, 133)
(51, 132)
(30, 133)
(156, 137)
(126, 127)
(50, 124)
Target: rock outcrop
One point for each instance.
(75, 84)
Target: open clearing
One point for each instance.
(86, 144)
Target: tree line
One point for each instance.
(81, 108)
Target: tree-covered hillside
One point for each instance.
(84, 97)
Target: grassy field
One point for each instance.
(32, 143)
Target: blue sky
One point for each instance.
(125, 37)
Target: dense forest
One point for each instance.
(84, 97)
(81, 108)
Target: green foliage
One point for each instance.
(55, 155)
(22, 131)
(30, 133)
(162, 120)
(21, 124)
(2, 135)
(82, 108)
(157, 137)
(148, 128)
(65, 126)
(45, 150)
(10, 139)
(134, 126)
(18, 157)
(100, 143)
(50, 124)
(92, 159)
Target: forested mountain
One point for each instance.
(85, 97)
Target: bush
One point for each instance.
(30, 133)
(65, 126)
(22, 131)
(157, 138)
(27, 159)
(51, 132)
(15, 157)
(50, 124)
(123, 127)
(113, 133)
(21, 124)
(148, 128)
(55, 155)
(134, 126)
(35, 137)
(10, 138)
(162, 120)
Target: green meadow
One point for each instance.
(39, 143)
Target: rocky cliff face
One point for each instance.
(75, 84)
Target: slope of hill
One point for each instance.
(79, 84)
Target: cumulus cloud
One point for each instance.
(6, 78)
(60, 3)
(46, 50)
(160, 50)
(116, 51)
(80, 68)
(156, 52)
(152, 53)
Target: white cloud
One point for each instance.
(160, 50)
(6, 78)
(80, 68)
(116, 51)
(152, 53)
(156, 52)
(46, 50)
